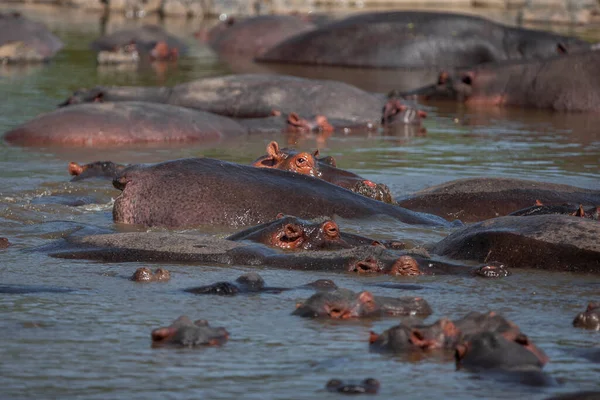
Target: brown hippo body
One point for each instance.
(185, 333)
(124, 123)
(476, 199)
(289, 100)
(22, 40)
(564, 84)
(197, 191)
(252, 37)
(416, 39)
(549, 242)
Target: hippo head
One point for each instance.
(301, 163)
(94, 95)
(97, 169)
(339, 304)
(322, 285)
(370, 386)
(590, 318)
(4, 243)
(441, 334)
(160, 51)
(490, 350)
(146, 275)
(319, 124)
(251, 281)
(524, 43)
(395, 111)
(185, 333)
(402, 266)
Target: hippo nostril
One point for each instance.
(366, 266)
(291, 232)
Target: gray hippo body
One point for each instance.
(23, 40)
(415, 39)
(476, 199)
(124, 123)
(549, 242)
(198, 191)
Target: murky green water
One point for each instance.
(94, 342)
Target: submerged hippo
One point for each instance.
(96, 169)
(476, 199)
(23, 41)
(252, 37)
(292, 233)
(254, 283)
(308, 164)
(368, 386)
(443, 334)
(209, 191)
(590, 318)
(549, 242)
(149, 42)
(591, 212)
(566, 84)
(127, 123)
(417, 39)
(185, 333)
(4, 243)
(285, 102)
(146, 275)
(345, 304)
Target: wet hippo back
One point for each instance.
(200, 191)
(109, 124)
(476, 199)
(257, 95)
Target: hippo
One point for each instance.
(543, 84)
(149, 42)
(216, 192)
(307, 164)
(286, 102)
(4, 243)
(345, 304)
(591, 212)
(367, 386)
(583, 395)
(549, 242)
(490, 350)
(96, 169)
(292, 233)
(146, 275)
(590, 318)
(176, 247)
(417, 39)
(443, 334)
(476, 199)
(254, 283)
(126, 123)
(252, 37)
(25, 41)
(185, 333)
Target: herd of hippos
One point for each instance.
(286, 199)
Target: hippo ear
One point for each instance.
(443, 78)
(75, 169)
(373, 337)
(316, 153)
(580, 212)
(365, 297)
(280, 215)
(561, 48)
(99, 98)
(298, 305)
(273, 150)
(538, 203)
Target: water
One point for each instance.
(94, 341)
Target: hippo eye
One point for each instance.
(300, 161)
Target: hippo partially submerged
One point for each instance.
(476, 199)
(262, 99)
(345, 304)
(124, 123)
(565, 84)
(308, 164)
(146, 275)
(417, 39)
(208, 191)
(24, 41)
(549, 242)
(96, 169)
(149, 42)
(185, 333)
(367, 386)
(252, 37)
(590, 318)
